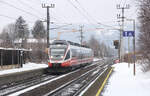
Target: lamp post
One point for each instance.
(134, 69)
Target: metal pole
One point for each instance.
(122, 35)
(134, 48)
(122, 29)
(119, 50)
(1, 58)
(12, 57)
(48, 20)
(21, 59)
(81, 34)
(128, 51)
(121, 45)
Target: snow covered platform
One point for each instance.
(26, 67)
(27, 71)
(122, 82)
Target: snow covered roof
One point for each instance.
(33, 40)
(15, 49)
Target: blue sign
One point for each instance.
(128, 34)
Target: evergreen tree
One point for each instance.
(21, 28)
(38, 30)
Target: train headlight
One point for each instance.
(51, 56)
(62, 56)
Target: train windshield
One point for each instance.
(57, 54)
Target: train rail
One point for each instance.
(17, 86)
(74, 87)
(51, 79)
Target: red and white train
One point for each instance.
(66, 55)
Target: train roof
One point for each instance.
(64, 42)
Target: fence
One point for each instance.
(10, 58)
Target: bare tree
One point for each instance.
(100, 49)
(94, 44)
(144, 36)
(6, 40)
(8, 35)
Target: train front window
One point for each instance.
(57, 53)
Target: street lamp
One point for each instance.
(133, 20)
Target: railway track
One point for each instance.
(17, 86)
(74, 87)
(27, 84)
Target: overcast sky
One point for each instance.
(65, 11)
(76, 12)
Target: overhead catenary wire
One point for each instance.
(60, 17)
(23, 3)
(92, 17)
(124, 3)
(32, 8)
(7, 17)
(60, 27)
(109, 26)
(80, 11)
(88, 13)
(11, 5)
(120, 1)
(12, 18)
(34, 2)
(38, 11)
(38, 2)
(22, 10)
(84, 10)
(135, 12)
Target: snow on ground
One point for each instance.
(44, 83)
(26, 67)
(123, 83)
(96, 59)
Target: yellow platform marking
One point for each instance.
(101, 88)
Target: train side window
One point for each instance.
(73, 53)
(68, 55)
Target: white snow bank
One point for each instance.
(123, 83)
(26, 67)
